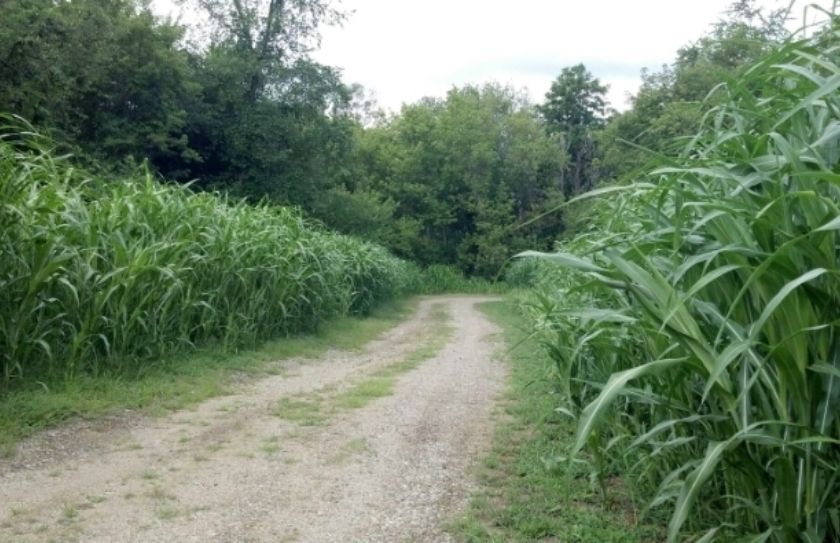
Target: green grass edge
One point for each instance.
(526, 491)
(182, 380)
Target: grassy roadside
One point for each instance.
(526, 493)
(179, 381)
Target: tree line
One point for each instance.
(466, 179)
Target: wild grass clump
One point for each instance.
(695, 324)
(101, 275)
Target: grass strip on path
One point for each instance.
(528, 492)
(316, 408)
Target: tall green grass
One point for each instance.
(97, 274)
(695, 322)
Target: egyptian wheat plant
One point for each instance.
(96, 275)
(696, 323)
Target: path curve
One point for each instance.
(230, 470)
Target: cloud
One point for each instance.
(543, 67)
(404, 50)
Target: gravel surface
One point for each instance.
(231, 471)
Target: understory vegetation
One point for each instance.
(692, 319)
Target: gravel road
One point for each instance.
(232, 470)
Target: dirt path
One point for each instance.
(302, 456)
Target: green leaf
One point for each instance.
(595, 411)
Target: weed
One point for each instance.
(351, 449)
(69, 511)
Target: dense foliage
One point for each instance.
(575, 108)
(245, 110)
(694, 319)
(234, 103)
(671, 102)
(461, 174)
(97, 274)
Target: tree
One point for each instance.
(102, 75)
(575, 107)
(669, 105)
(269, 35)
(463, 172)
(248, 111)
(288, 145)
(269, 121)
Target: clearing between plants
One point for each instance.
(374, 445)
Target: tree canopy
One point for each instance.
(459, 179)
(464, 172)
(576, 107)
(668, 106)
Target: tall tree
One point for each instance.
(247, 110)
(463, 172)
(269, 34)
(575, 107)
(271, 122)
(669, 104)
(103, 75)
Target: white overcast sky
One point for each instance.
(402, 50)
